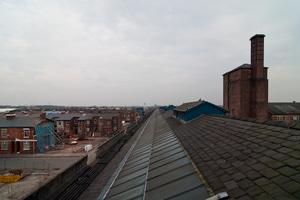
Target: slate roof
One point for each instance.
(108, 116)
(284, 108)
(187, 106)
(85, 117)
(19, 122)
(248, 158)
(2, 115)
(63, 117)
(243, 66)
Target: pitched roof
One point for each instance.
(108, 116)
(19, 122)
(284, 108)
(243, 66)
(85, 117)
(245, 157)
(63, 117)
(155, 167)
(187, 106)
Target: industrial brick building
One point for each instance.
(245, 88)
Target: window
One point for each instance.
(95, 121)
(279, 118)
(295, 118)
(4, 145)
(114, 121)
(67, 123)
(79, 122)
(59, 122)
(87, 122)
(108, 122)
(4, 133)
(26, 146)
(67, 129)
(26, 133)
(87, 129)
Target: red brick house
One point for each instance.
(65, 122)
(25, 134)
(129, 115)
(245, 88)
(109, 123)
(85, 124)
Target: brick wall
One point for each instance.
(237, 92)
(17, 146)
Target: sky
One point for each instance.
(141, 52)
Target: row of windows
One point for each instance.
(87, 122)
(4, 145)
(4, 133)
(283, 118)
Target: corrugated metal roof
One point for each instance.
(155, 168)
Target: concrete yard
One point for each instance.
(46, 166)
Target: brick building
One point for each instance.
(288, 112)
(25, 134)
(245, 88)
(85, 124)
(109, 123)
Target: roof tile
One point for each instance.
(258, 156)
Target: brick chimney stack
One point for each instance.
(257, 55)
(259, 96)
(43, 116)
(245, 89)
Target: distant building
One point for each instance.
(109, 123)
(245, 88)
(169, 107)
(25, 134)
(285, 112)
(191, 110)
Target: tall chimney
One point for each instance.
(257, 55)
(259, 86)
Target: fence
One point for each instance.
(24, 163)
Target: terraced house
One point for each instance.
(25, 134)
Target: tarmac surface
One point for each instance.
(41, 167)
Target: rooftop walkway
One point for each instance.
(155, 167)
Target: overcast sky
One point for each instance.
(124, 53)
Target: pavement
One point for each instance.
(46, 165)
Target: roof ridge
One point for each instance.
(259, 121)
